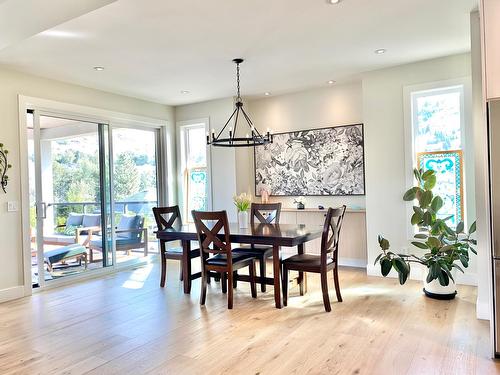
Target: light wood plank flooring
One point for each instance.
(126, 324)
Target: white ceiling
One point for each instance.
(153, 49)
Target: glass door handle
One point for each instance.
(41, 210)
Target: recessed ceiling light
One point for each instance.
(380, 51)
(98, 68)
(184, 91)
(267, 93)
(331, 82)
(333, 1)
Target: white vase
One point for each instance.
(243, 219)
(435, 290)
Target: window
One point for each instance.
(194, 169)
(437, 118)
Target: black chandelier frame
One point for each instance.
(254, 138)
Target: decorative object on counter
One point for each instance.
(264, 196)
(448, 168)
(300, 202)
(445, 246)
(242, 203)
(231, 139)
(327, 161)
(4, 167)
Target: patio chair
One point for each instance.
(130, 235)
(61, 254)
(76, 225)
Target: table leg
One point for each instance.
(186, 266)
(302, 281)
(277, 276)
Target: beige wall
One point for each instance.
(11, 85)
(329, 106)
(386, 168)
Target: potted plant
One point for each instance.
(300, 202)
(242, 203)
(446, 249)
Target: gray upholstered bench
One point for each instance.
(66, 252)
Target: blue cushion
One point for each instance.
(93, 220)
(56, 255)
(97, 242)
(128, 222)
(74, 220)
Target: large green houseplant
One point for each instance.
(445, 249)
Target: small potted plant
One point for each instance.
(242, 203)
(300, 202)
(446, 249)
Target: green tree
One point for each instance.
(126, 176)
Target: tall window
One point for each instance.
(194, 167)
(438, 133)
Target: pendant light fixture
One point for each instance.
(230, 138)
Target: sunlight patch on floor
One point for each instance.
(138, 277)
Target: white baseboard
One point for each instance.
(11, 293)
(417, 274)
(352, 262)
(483, 310)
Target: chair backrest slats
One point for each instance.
(165, 217)
(213, 232)
(273, 211)
(331, 233)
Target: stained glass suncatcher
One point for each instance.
(197, 188)
(448, 168)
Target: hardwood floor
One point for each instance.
(126, 324)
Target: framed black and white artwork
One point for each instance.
(327, 161)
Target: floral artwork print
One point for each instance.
(326, 161)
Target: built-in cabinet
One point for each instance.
(490, 14)
(352, 246)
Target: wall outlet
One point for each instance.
(12, 206)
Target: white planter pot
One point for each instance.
(243, 219)
(435, 290)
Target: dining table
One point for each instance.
(275, 235)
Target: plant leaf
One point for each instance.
(428, 173)
(420, 245)
(460, 227)
(410, 194)
(385, 265)
(472, 228)
(437, 203)
(444, 280)
(430, 182)
(433, 242)
(416, 218)
(384, 244)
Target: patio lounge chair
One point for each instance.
(130, 234)
(66, 252)
(83, 224)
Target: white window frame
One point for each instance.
(182, 126)
(411, 93)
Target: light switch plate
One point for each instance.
(12, 206)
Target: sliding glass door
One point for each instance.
(135, 191)
(69, 196)
(92, 188)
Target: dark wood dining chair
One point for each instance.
(165, 218)
(214, 238)
(328, 260)
(261, 252)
